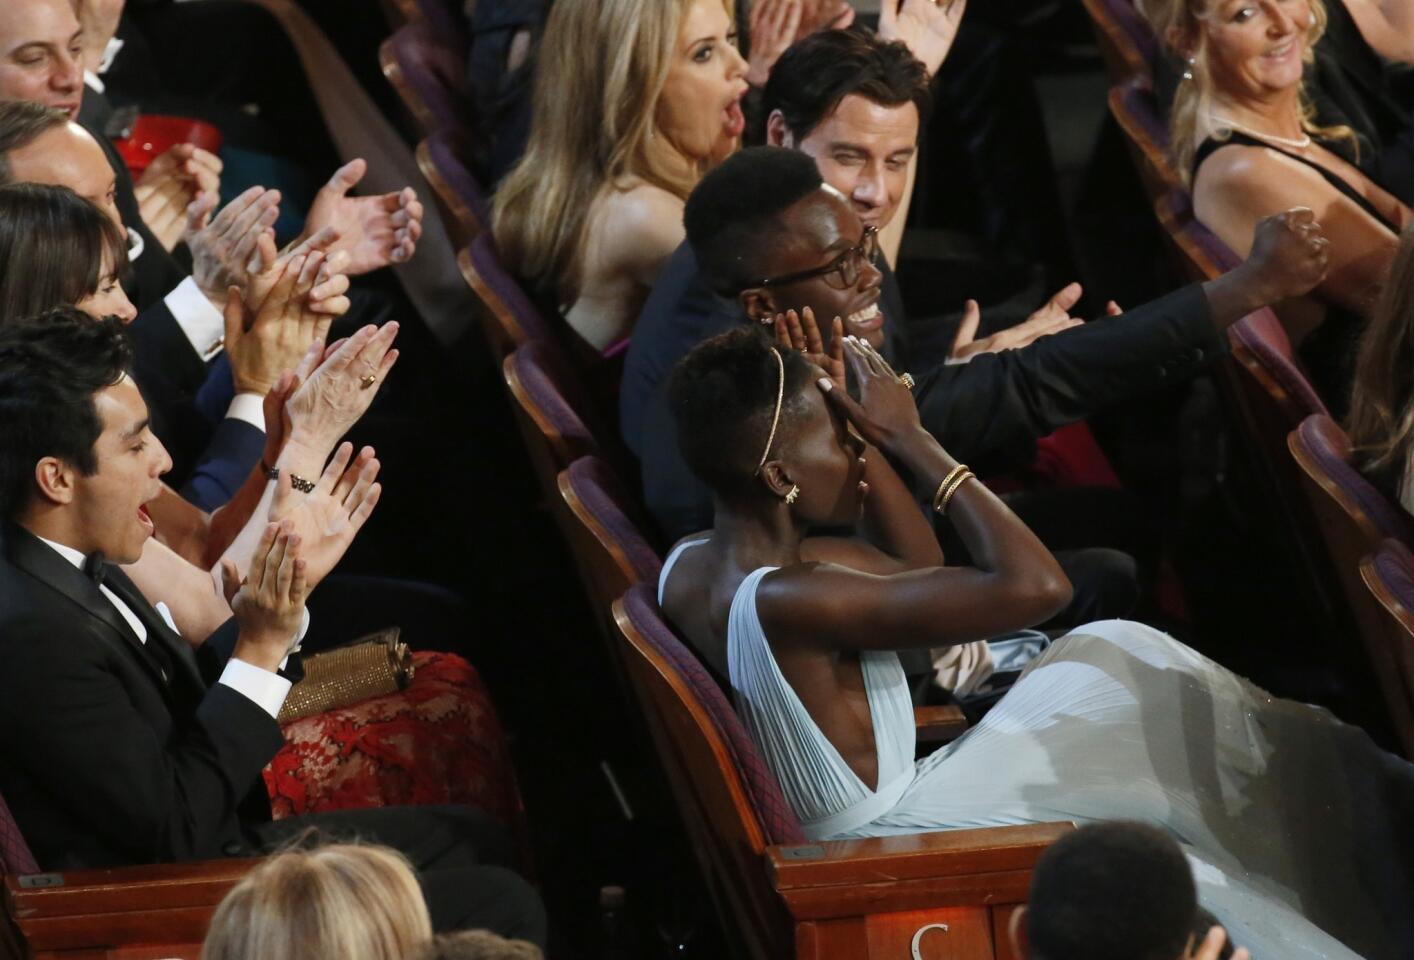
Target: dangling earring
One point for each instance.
(792, 494)
(1188, 70)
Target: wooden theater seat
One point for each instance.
(129, 913)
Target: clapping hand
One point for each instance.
(1052, 317)
(267, 338)
(800, 332)
(332, 397)
(773, 25)
(329, 517)
(99, 22)
(927, 27)
(223, 247)
(169, 186)
(1212, 946)
(269, 602)
(374, 231)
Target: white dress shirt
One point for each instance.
(265, 689)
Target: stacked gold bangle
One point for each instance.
(956, 477)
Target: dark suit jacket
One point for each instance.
(989, 412)
(103, 760)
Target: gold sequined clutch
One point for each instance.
(372, 666)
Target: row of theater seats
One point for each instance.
(777, 895)
(1352, 543)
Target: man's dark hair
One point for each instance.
(814, 75)
(53, 244)
(731, 206)
(21, 123)
(1111, 891)
(723, 397)
(51, 366)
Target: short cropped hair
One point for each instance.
(813, 76)
(53, 244)
(1112, 891)
(478, 945)
(51, 366)
(21, 123)
(727, 213)
(723, 397)
(350, 901)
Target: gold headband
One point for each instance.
(776, 420)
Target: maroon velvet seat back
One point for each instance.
(1389, 576)
(445, 159)
(546, 399)
(608, 533)
(444, 17)
(1126, 41)
(1354, 518)
(1136, 110)
(15, 856)
(730, 801)
(510, 317)
(428, 75)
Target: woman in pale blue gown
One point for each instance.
(1299, 829)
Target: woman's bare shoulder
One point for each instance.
(637, 227)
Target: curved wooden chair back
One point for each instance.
(1354, 519)
(1136, 111)
(546, 401)
(607, 534)
(508, 316)
(445, 160)
(1389, 576)
(428, 76)
(1125, 40)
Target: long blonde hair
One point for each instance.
(1193, 100)
(600, 71)
(348, 901)
(1381, 421)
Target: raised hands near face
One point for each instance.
(927, 27)
(773, 25)
(1053, 317)
(329, 517)
(885, 415)
(269, 604)
(1289, 256)
(374, 231)
(99, 20)
(800, 332)
(171, 184)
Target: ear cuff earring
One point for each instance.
(1188, 70)
(792, 494)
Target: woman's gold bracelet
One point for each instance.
(947, 497)
(939, 504)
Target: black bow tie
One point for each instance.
(95, 568)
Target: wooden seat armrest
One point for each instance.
(939, 724)
(838, 878)
(108, 908)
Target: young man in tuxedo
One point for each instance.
(120, 741)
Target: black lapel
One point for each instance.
(39, 560)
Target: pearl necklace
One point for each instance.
(1301, 144)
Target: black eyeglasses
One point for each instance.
(840, 273)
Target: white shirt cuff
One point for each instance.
(198, 317)
(265, 689)
(249, 407)
(298, 640)
(110, 53)
(92, 81)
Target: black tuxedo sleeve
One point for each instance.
(990, 411)
(148, 795)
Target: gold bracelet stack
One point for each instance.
(956, 477)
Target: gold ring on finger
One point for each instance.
(906, 379)
(368, 381)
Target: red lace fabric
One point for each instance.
(439, 741)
